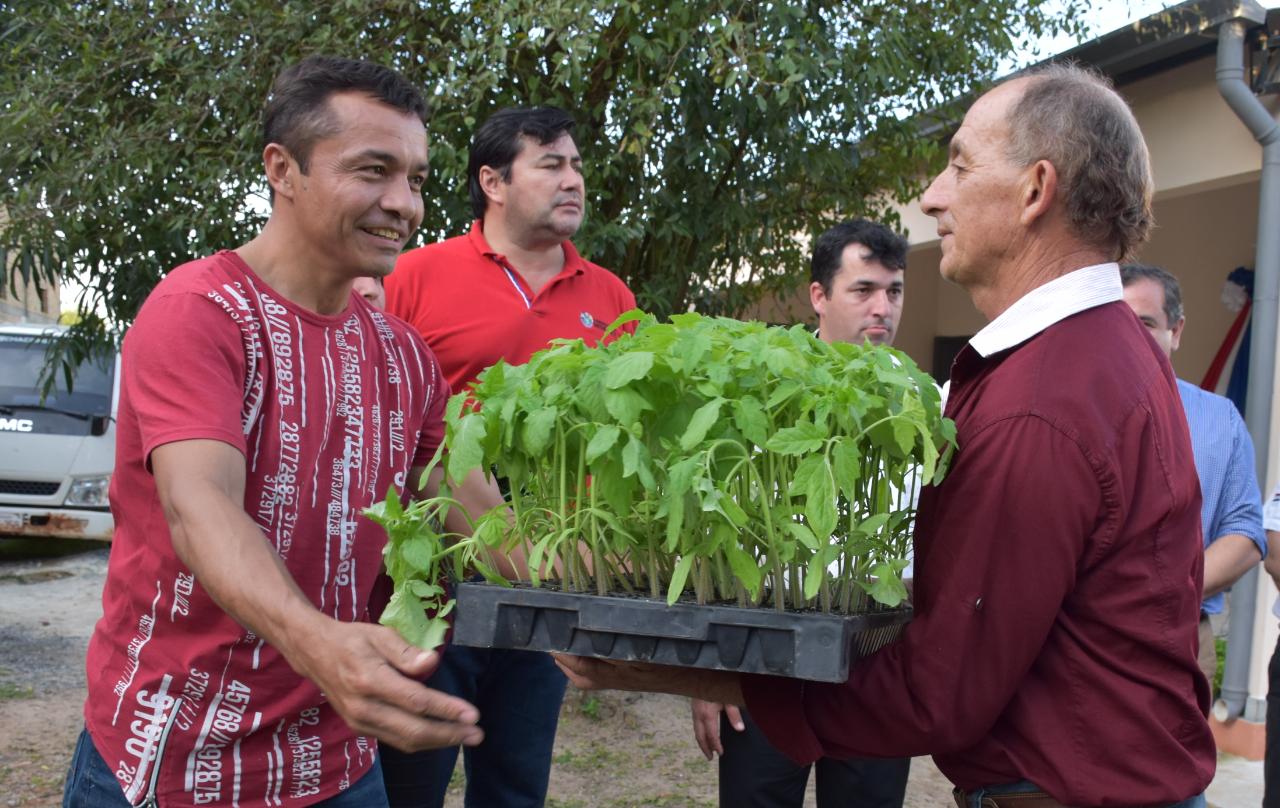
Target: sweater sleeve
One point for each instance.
(998, 545)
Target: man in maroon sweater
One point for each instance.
(1052, 660)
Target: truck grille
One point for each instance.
(29, 488)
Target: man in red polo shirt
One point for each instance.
(503, 291)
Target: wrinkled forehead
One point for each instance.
(987, 121)
(364, 123)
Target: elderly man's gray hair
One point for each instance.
(1070, 116)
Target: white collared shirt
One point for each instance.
(1045, 305)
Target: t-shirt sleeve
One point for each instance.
(183, 366)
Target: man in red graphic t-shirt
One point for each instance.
(503, 291)
(263, 406)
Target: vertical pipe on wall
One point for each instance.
(1266, 295)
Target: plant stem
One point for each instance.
(779, 591)
(654, 584)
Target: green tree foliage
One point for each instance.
(714, 132)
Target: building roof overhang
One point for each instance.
(1163, 40)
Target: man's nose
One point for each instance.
(931, 199)
(880, 306)
(402, 199)
(571, 179)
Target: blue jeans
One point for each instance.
(974, 798)
(518, 694)
(92, 784)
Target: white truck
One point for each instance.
(56, 454)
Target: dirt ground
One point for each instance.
(613, 750)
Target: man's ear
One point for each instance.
(493, 185)
(1175, 334)
(281, 169)
(817, 298)
(1039, 187)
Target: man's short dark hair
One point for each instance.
(497, 142)
(296, 113)
(1132, 273)
(883, 245)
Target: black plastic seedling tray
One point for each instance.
(801, 645)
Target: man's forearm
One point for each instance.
(587, 673)
(477, 496)
(1225, 560)
(233, 562)
(1272, 561)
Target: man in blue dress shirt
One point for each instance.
(1231, 515)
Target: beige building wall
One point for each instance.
(23, 303)
(28, 306)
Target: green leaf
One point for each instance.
(873, 524)
(803, 478)
(602, 441)
(680, 477)
(615, 488)
(732, 511)
(490, 528)
(904, 433)
(625, 406)
(780, 360)
(453, 409)
(781, 393)
(538, 428)
(675, 521)
(635, 461)
(929, 463)
(679, 577)
(814, 574)
(628, 368)
(793, 440)
(423, 589)
(750, 419)
(420, 552)
(703, 419)
(846, 464)
(629, 316)
(436, 630)
(803, 534)
(694, 345)
(820, 503)
(887, 588)
(465, 453)
(744, 568)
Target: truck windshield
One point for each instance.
(22, 357)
